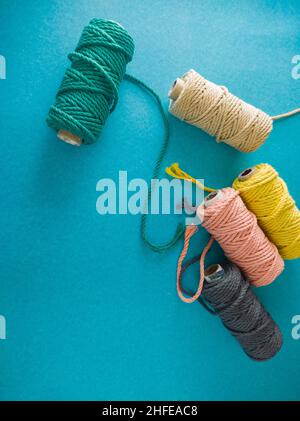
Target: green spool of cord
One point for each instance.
(89, 90)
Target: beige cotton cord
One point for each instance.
(219, 113)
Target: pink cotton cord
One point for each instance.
(244, 243)
(189, 232)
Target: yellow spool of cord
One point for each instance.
(267, 196)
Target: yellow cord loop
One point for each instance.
(176, 172)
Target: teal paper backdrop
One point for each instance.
(90, 312)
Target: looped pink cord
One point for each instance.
(189, 232)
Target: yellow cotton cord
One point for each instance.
(176, 172)
(267, 196)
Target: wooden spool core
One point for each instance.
(176, 89)
(211, 272)
(212, 198)
(247, 173)
(68, 137)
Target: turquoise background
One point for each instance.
(91, 312)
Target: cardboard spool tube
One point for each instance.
(68, 137)
(212, 198)
(212, 271)
(247, 173)
(176, 89)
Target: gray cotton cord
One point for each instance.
(229, 295)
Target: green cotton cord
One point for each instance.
(89, 93)
(89, 90)
(157, 167)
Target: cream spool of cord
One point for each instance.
(219, 113)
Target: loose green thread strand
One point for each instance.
(157, 167)
(89, 92)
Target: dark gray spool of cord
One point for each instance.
(232, 299)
